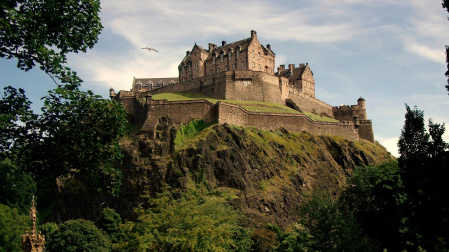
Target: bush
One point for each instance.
(78, 235)
(110, 222)
(12, 226)
(200, 224)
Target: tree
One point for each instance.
(16, 121)
(424, 160)
(78, 235)
(375, 195)
(198, 224)
(329, 228)
(44, 31)
(16, 186)
(12, 226)
(79, 137)
(111, 222)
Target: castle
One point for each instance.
(242, 70)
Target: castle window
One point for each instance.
(254, 65)
(183, 79)
(238, 53)
(233, 66)
(230, 55)
(226, 68)
(213, 60)
(252, 54)
(258, 55)
(243, 64)
(258, 66)
(221, 58)
(190, 77)
(218, 70)
(211, 72)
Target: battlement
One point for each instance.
(243, 70)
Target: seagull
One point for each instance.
(149, 49)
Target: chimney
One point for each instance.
(223, 43)
(253, 33)
(212, 46)
(281, 67)
(187, 53)
(269, 46)
(291, 66)
(301, 64)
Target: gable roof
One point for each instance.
(295, 74)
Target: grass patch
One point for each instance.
(189, 131)
(253, 106)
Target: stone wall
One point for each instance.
(179, 111)
(366, 130)
(348, 113)
(234, 114)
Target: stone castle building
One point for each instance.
(243, 70)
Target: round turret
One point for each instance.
(361, 102)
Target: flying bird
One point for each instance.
(149, 49)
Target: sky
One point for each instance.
(390, 52)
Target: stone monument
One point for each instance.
(32, 242)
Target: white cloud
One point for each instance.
(391, 144)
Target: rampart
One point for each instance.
(223, 112)
(250, 86)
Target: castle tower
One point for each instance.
(32, 242)
(361, 102)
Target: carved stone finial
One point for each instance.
(33, 242)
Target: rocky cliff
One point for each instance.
(264, 173)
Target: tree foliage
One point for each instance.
(424, 166)
(16, 186)
(76, 136)
(78, 235)
(111, 223)
(198, 224)
(16, 121)
(79, 137)
(12, 226)
(44, 31)
(375, 195)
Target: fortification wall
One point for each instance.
(310, 104)
(179, 111)
(366, 130)
(348, 113)
(253, 86)
(234, 114)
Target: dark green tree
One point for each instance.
(16, 122)
(326, 227)
(78, 235)
(12, 226)
(16, 186)
(111, 223)
(79, 138)
(424, 168)
(44, 31)
(375, 195)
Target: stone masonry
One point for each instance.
(244, 70)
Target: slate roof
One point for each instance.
(295, 74)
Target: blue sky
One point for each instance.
(390, 52)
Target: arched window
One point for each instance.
(221, 57)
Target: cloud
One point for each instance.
(391, 144)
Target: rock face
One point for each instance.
(264, 173)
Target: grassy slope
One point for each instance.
(254, 106)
